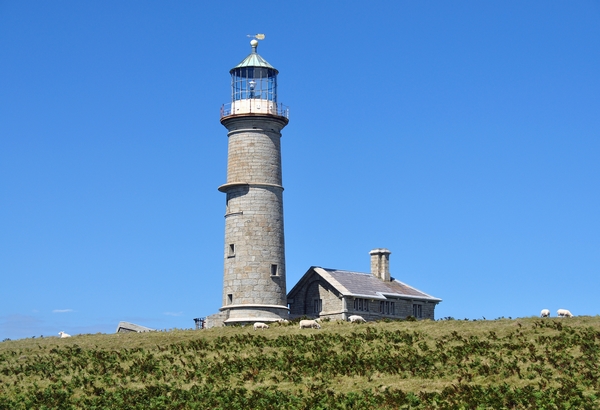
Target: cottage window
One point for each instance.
(361, 304)
(387, 308)
(317, 305)
(417, 311)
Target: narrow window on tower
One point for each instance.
(230, 299)
(274, 270)
(231, 250)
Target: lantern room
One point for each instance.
(253, 87)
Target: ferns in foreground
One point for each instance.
(545, 364)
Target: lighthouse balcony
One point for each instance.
(255, 106)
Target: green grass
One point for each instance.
(523, 363)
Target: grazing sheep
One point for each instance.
(63, 335)
(564, 313)
(356, 319)
(260, 325)
(283, 321)
(545, 313)
(309, 324)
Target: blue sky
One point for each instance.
(463, 136)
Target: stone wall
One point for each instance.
(317, 289)
(215, 320)
(254, 248)
(254, 267)
(334, 306)
(402, 309)
(254, 150)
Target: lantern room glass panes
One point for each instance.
(254, 82)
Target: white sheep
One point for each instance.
(309, 324)
(545, 313)
(260, 325)
(63, 335)
(564, 313)
(283, 321)
(356, 319)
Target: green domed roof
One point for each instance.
(254, 59)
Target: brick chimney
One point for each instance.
(380, 263)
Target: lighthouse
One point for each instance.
(254, 283)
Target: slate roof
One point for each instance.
(366, 285)
(125, 327)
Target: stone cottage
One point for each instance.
(338, 294)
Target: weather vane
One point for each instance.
(256, 36)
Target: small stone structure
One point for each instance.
(338, 294)
(126, 327)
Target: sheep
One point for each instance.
(307, 324)
(63, 335)
(564, 313)
(260, 325)
(356, 319)
(283, 321)
(545, 313)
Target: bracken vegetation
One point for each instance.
(450, 364)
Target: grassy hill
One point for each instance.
(450, 364)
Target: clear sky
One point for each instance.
(463, 136)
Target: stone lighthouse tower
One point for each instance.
(254, 287)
